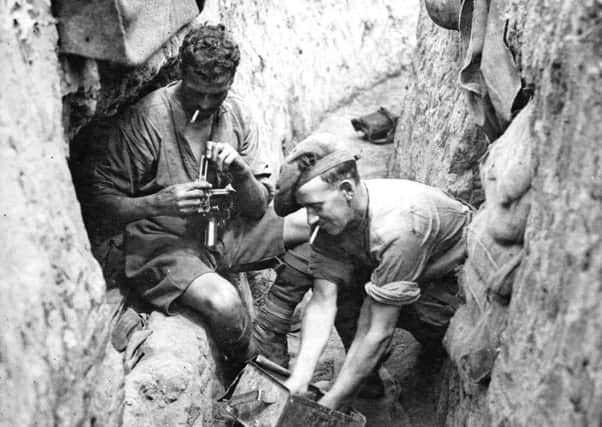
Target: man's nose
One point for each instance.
(204, 103)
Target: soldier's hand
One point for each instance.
(226, 157)
(181, 199)
(295, 387)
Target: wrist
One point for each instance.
(152, 204)
(329, 401)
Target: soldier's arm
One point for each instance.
(252, 194)
(132, 147)
(376, 326)
(175, 200)
(316, 327)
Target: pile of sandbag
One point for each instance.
(495, 250)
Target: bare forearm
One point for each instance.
(315, 331)
(318, 321)
(375, 329)
(176, 200)
(252, 194)
(127, 209)
(364, 354)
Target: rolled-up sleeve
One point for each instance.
(397, 293)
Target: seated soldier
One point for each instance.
(149, 181)
(388, 245)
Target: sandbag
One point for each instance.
(473, 343)
(489, 258)
(507, 223)
(127, 32)
(509, 167)
(506, 174)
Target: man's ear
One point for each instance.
(347, 187)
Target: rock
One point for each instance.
(107, 401)
(174, 382)
(52, 310)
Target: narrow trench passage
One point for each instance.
(410, 397)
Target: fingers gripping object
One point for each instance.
(216, 204)
(259, 398)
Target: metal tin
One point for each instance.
(257, 398)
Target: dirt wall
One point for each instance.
(550, 367)
(547, 366)
(305, 58)
(54, 321)
(435, 141)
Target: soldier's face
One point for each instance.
(205, 96)
(327, 205)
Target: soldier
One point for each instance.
(148, 182)
(389, 246)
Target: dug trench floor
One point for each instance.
(412, 381)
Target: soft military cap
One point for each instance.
(312, 157)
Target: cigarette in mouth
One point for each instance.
(194, 116)
(314, 234)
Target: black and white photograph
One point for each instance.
(301, 213)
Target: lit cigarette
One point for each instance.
(314, 234)
(194, 116)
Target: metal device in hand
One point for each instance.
(215, 205)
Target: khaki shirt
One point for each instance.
(147, 152)
(406, 228)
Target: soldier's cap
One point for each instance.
(312, 157)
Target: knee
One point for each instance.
(225, 300)
(211, 294)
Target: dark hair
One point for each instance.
(346, 170)
(210, 52)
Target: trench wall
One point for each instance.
(54, 321)
(547, 361)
